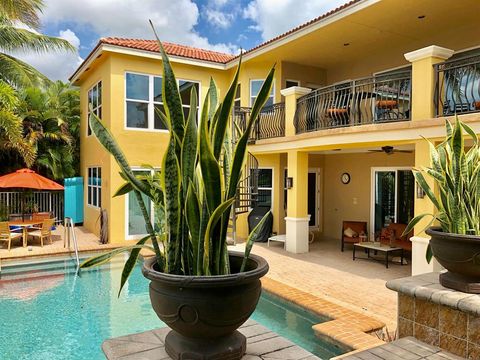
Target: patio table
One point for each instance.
(24, 225)
(376, 246)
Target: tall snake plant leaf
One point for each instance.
(123, 189)
(426, 188)
(241, 146)
(212, 222)
(131, 262)
(170, 95)
(192, 212)
(189, 146)
(254, 235)
(107, 256)
(213, 100)
(211, 173)
(108, 141)
(225, 112)
(170, 178)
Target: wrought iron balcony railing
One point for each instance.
(457, 86)
(270, 124)
(377, 99)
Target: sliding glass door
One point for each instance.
(392, 197)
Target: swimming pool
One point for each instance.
(48, 313)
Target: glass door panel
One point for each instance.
(136, 222)
(384, 199)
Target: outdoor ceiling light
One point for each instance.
(420, 192)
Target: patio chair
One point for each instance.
(44, 232)
(7, 235)
(40, 216)
(358, 228)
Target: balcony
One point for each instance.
(377, 99)
(457, 86)
(270, 124)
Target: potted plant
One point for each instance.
(198, 288)
(455, 243)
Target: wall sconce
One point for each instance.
(289, 182)
(420, 192)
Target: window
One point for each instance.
(144, 100)
(290, 83)
(94, 101)
(238, 94)
(255, 86)
(265, 187)
(135, 223)
(94, 187)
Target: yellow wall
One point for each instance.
(91, 152)
(352, 201)
(308, 76)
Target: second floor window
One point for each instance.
(255, 86)
(94, 102)
(94, 187)
(144, 99)
(238, 96)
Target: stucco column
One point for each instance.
(297, 211)
(423, 90)
(291, 95)
(423, 79)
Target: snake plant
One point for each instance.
(194, 191)
(455, 170)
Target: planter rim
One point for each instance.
(207, 281)
(439, 233)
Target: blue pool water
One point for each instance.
(48, 313)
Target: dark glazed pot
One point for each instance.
(460, 255)
(204, 312)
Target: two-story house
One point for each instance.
(354, 91)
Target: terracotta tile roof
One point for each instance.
(170, 48)
(304, 25)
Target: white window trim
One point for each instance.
(95, 108)
(239, 99)
(97, 187)
(250, 89)
(292, 80)
(152, 209)
(151, 103)
(273, 184)
(372, 194)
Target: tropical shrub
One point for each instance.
(194, 192)
(455, 169)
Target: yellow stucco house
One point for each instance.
(354, 90)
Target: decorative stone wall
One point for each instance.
(438, 316)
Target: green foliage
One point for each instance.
(14, 38)
(198, 182)
(455, 170)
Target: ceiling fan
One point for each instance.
(390, 150)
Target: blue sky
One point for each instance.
(221, 25)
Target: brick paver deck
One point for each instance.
(327, 273)
(150, 345)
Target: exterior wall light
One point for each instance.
(420, 192)
(289, 182)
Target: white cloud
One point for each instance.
(274, 17)
(218, 18)
(174, 20)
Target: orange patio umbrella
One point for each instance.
(28, 179)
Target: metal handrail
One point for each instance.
(270, 123)
(69, 233)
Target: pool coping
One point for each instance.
(346, 328)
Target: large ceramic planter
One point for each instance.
(460, 255)
(204, 312)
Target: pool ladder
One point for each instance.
(69, 234)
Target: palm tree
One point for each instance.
(12, 142)
(50, 121)
(16, 39)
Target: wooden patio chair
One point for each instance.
(7, 235)
(45, 232)
(358, 227)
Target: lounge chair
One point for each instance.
(44, 232)
(357, 228)
(7, 235)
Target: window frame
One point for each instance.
(271, 189)
(239, 98)
(292, 80)
(151, 102)
(127, 204)
(95, 109)
(94, 187)
(251, 96)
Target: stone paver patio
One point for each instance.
(328, 273)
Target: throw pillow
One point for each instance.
(350, 233)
